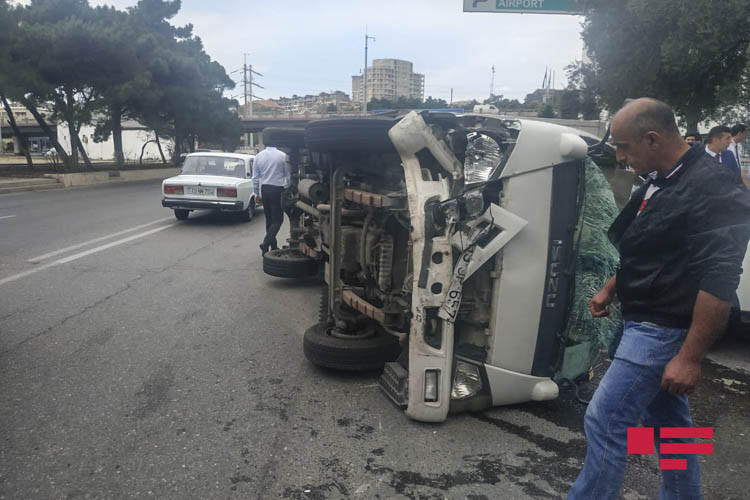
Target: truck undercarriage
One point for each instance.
(448, 246)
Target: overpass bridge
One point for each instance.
(259, 121)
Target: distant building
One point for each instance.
(38, 140)
(320, 103)
(389, 79)
(544, 96)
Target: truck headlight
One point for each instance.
(474, 203)
(467, 381)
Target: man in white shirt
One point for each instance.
(739, 134)
(270, 178)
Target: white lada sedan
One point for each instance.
(212, 181)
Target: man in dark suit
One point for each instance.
(739, 134)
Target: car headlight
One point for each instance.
(467, 381)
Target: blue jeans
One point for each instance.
(629, 394)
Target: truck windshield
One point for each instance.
(214, 165)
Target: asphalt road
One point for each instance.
(145, 357)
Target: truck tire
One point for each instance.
(289, 263)
(363, 135)
(355, 354)
(293, 138)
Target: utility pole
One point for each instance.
(247, 80)
(451, 103)
(244, 77)
(364, 79)
(492, 82)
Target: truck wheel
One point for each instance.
(355, 354)
(289, 263)
(284, 137)
(362, 135)
(181, 213)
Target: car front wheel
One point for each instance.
(181, 213)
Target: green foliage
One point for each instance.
(570, 104)
(692, 59)
(407, 103)
(505, 104)
(548, 111)
(105, 65)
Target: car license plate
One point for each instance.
(200, 190)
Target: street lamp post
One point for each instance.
(364, 79)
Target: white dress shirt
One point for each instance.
(734, 150)
(270, 168)
(713, 155)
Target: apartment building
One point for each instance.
(389, 79)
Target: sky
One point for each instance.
(307, 47)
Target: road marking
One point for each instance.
(7, 216)
(36, 260)
(84, 254)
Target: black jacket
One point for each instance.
(691, 235)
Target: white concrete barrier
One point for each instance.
(91, 178)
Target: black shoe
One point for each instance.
(263, 249)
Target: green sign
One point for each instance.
(523, 6)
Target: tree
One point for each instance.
(58, 51)
(407, 103)
(693, 61)
(580, 77)
(570, 104)
(8, 30)
(548, 111)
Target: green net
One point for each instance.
(596, 262)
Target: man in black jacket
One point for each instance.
(682, 238)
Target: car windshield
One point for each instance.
(214, 165)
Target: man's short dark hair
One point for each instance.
(697, 135)
(738, 129)
(717, 132)
(656, 116)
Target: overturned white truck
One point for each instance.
(456, 252)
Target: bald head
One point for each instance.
(646, 138)
(645, 115)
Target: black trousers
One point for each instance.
(274, 215)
